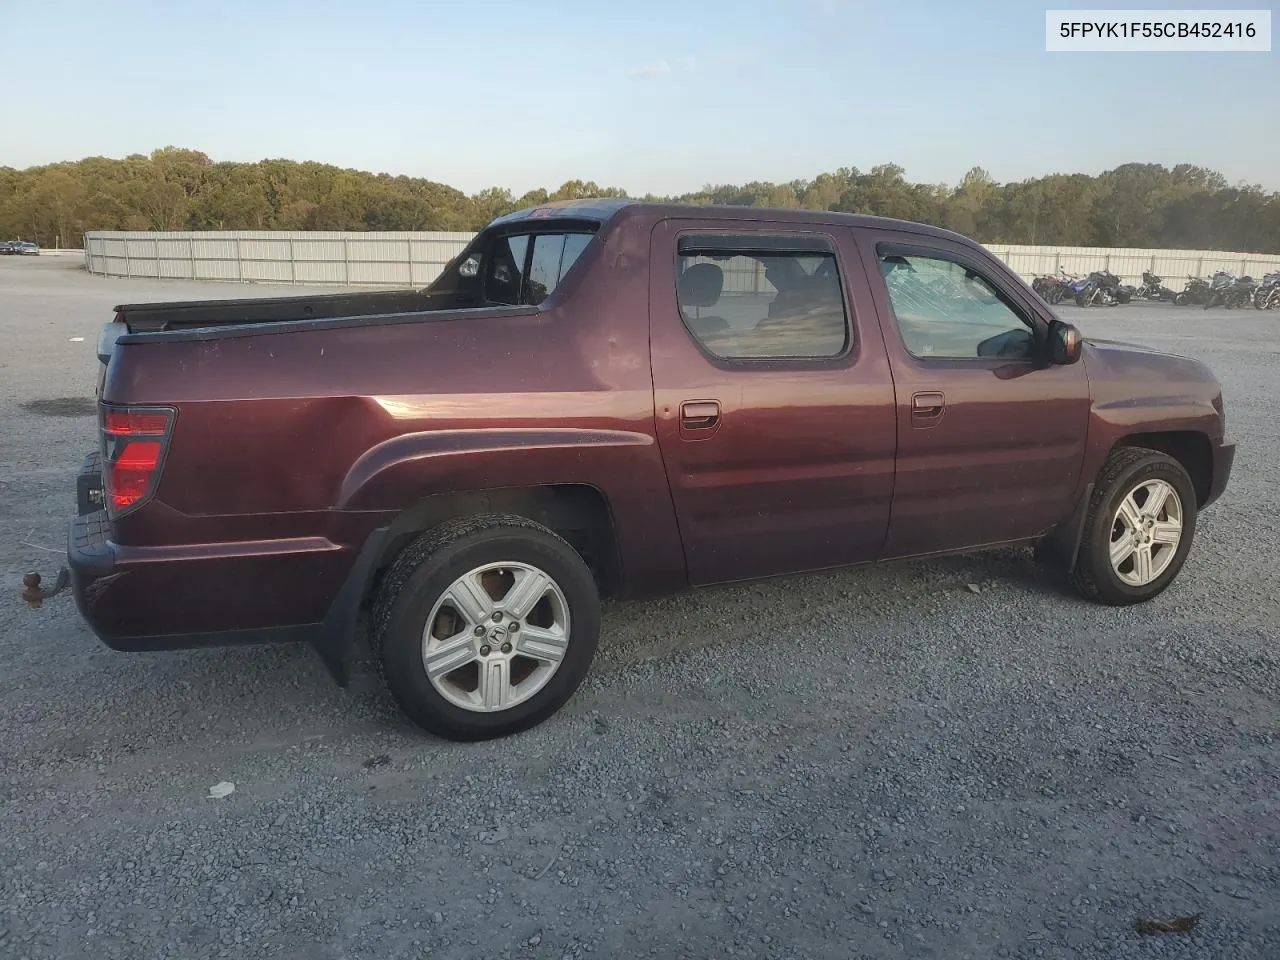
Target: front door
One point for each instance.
(774, 417)
(990, 438)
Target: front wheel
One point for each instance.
(1141, 521)
(486, 626)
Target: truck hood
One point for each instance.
(1117, 360)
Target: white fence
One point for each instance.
(415, 259)
(260, 256)
(1129, 263)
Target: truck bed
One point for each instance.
(191, 314)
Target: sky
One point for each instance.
(653, 96)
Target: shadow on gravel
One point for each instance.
(62, 407)
(1005, 565)
(219, 694)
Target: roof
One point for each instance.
(588, 208)
(605, 209)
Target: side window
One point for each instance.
(544, 270)
(553, 255)
(574, 244)
(504, 272)
(767, 304)
(945, 309)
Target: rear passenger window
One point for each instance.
(765, 304)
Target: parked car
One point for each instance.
(7, 248)
(614, 399)
(26, 248)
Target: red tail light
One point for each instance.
(134, 441)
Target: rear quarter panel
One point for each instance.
(332, 430)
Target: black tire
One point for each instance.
(421, 575)
(1125, 469)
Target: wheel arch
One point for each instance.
(1191, 448)
(578, 512)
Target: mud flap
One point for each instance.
(1060, 547)
(336, 638)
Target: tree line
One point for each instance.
(1133, 205)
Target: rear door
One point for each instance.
(990, 438)
(775, 410)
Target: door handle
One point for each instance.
(927, 406)
(699, 414)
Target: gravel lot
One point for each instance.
(871, 763)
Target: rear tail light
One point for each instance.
(134, 442)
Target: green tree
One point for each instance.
(173, 188)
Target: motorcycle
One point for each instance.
(1153, 288)
(1083, 290)
(1052, 287)
(1196, 291)
(1219, 289)
(1240, 293)
(1101, 287)
(1266, 294)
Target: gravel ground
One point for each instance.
(877, 763)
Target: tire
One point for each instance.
(1081, 300)
(419, 582)
(1126, 471)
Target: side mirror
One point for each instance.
(1064, 343)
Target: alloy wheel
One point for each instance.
(1145, 532)
(496, 636)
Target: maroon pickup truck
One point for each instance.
(614, 399)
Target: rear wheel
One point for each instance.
(486, 626)
(1141, 521)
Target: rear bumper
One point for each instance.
(1224, 456)
(220, 594)
(170, 598)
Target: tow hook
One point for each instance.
(35, 594)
